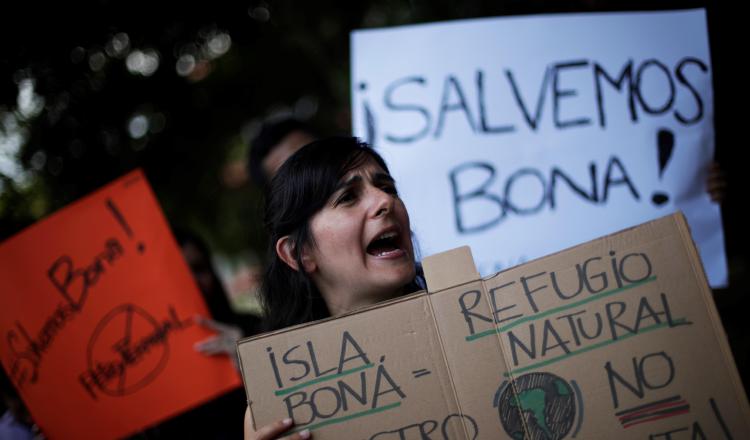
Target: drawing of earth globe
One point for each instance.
(545, 403)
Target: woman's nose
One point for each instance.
(382, 202)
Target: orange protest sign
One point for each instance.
(96, 318)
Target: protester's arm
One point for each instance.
(223, 343)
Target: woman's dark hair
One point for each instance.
(300, 189)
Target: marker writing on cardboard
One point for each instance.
(539, 405)
(592, 277)
(650, 372)
(549, 336)
(428, 429)
(714, 428)
(310, 398)
(525, 345)
(646, 378)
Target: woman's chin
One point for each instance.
(399, 278)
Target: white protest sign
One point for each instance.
(523, 136)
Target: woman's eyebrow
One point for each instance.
(348, 182)
(383, 178)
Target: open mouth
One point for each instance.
(386, 244)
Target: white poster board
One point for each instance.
(523, 136)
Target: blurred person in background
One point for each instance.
(228, 324)
(216, 419)
(278, 139)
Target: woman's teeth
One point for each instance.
(384, 245)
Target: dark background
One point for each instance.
(284, 57)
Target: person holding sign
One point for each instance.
(213, 419)
(229, 325)
(340, 239)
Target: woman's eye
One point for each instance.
(390, 189)
(345, 197)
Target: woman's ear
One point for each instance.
(287, 251)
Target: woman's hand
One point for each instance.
(271, 431)
(224, 343)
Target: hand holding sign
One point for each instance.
(272, 430)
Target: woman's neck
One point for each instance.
(338, 304)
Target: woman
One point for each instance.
(339, 240)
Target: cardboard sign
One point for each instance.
(533, 126)
(96, 318)
(617, 338)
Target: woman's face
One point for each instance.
(362, 251)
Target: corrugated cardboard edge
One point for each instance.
(244, 383)
(449, 269)
(458, 265)
(450, 386)
(713, 314)
(442, 271)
